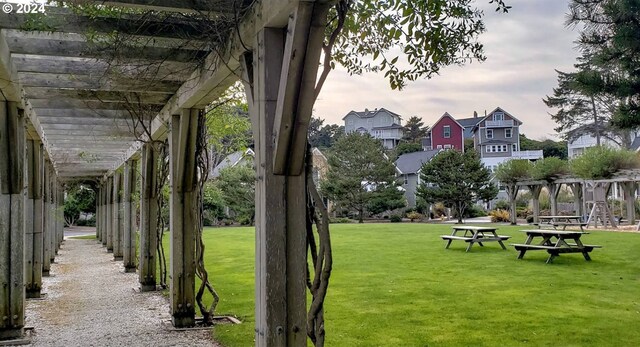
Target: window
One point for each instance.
(489, 133)
(498, 116)
(508, 132)
(514, 147)
(378, 134)
(446, 131)
(494, 148)
(488, 149)
(406, 179)
(439, 147)
(447, 146)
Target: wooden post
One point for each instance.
(148, 219)
(553, 189)
(60, 217)
(54, 218)
(46, 219)
(117, 216)
(129, 217)
(105, 207)
(630, 200)
(12, 154)
(576, 188)
(535, 200)
(98, 213)
(280, 209)
(109, 214)
(34, 220)
(183, 182)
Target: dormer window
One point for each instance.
(498, 116)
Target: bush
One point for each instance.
(523, 212)
(90, 222)
(602, 162)
(439, 210)
(498, 216)
(414, 216)
(395, 218)
(529, 219)
(502, 205)
(339, 220)
(475, 211)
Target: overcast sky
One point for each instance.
(523, 47)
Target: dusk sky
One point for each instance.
(523, 47)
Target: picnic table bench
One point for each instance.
(561, 221)
(555, 243)
(474, 234)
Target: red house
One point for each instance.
(446, 133)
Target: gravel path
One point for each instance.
(90, 301)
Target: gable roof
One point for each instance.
(410, 163)
(635, 145)
(446, 114)
(498, 109)
(371, 113)
(231, 160)
(469, 122)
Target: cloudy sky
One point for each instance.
(523, 47)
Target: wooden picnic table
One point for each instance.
(474, 234)
(554, 242)
(561, 221)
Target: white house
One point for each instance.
(379, 123)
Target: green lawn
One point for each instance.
(396, 285)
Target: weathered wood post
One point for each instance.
(576, 189)
(148, 219)
(34, 240)
(117, 216)
(54, 218)
(12, 154)
(183, 183)
(129, 217)
(630, 200)
(535, 190)
(46, 219)
(554, 190)
(105, 207)
(98, 213)
(60, 217)
(109, 214)
(280, 80)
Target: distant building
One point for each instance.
(469, 124)
(380, 123)
(232, 160)
(446, 133)
(497, 138)
(408, 167)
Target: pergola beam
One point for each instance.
(60, 81)
(95, 95)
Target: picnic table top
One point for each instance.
(553, 232)
(472, 227)
(552, 217)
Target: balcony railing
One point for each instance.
(527, 154)
(499, 123)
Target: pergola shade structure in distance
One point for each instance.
(69, 103)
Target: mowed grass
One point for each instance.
(396, 285)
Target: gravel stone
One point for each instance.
(91, 301)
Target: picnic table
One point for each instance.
(474, 234)
(554, 242)
(561, 221)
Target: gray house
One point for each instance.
(379, 123)
(408, 167)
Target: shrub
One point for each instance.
(529, 219)
(414, 216)
(523, 212)
(602, 162)
(498, 216)
(502, 205)
(395, 218)
(475, 211)
(339, 220)
(549, 168)
(439, 210)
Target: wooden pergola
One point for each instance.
(63, 117)
(590, 196)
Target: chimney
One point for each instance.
(366, 110)
(475, 114)
(485, 113)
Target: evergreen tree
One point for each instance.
(457, 180)
(414, 130)
(361, 177)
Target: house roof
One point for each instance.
(494, 111)
(446, 114)
(411, 163)
(371, 113)
(469, 122)
(231, 160)
(392, 126)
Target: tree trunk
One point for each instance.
(595, 120)
(360, 216)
